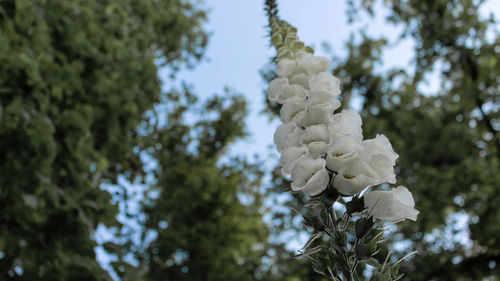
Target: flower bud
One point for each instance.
(276, 39)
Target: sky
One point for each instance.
(239, 48)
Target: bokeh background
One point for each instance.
(136, 139)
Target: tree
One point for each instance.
(76, 78)
(202, 230)
(450, 140)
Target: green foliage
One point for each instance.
(449, 142)
(204, 231)
(75, 80)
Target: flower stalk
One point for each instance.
(326, 157)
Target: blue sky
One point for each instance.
(238, 49)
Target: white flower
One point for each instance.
(275, 88)
(341, 151)
(289, 157)
(380, 145)
(325, 81)
(391, 205)
(323, 98)
(317, 148)
(313, 137)
(286, 67)
(354, 177)
(300, 79)
(347, 123)
(309, 175)
(291, 108)
(379, 153)
(307, 62)
(317, 138)
(314, 115)
(383, 167)
(323, 64)
(292, 91)
(316, 133)
(288, 135)
(282, 133)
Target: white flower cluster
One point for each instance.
(314, 139)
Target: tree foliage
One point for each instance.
(203, 230)
(75, 80)
(449, 138)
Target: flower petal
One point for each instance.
(292, 91)
(316, 133)
(323, 64)
(325, 81)
(379, 145)
(317, 148)
(347, 123)
(323, 98)
(285, 67)
(315, 115)
(309, 175)
(291, 108)
(354, 177)
(307, 62)
(404, 196)
(282, 133)
(342, 150)
(275, 87)
(300, 79)
(391, 205)
(289, 157)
